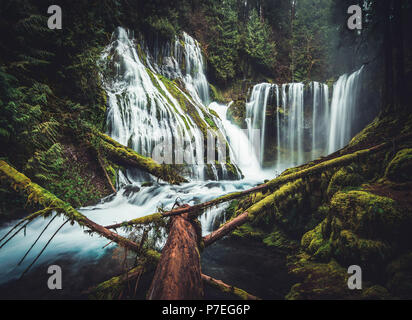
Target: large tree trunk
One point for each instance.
(178, 273)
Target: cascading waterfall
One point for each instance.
(343, 110)
(306, 125)
(256, 116)
(240, 145)
(142, 112)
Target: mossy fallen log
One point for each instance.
(315, 169)
(226, 288)
(254, 210)
(115, 286)
(37, 195)
(127, 157)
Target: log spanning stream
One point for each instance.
(142, 110)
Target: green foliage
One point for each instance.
(313, 39)
(400, 168)
(258, 43)
(224, 39)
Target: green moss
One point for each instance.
(112, 172)
(279, 240)
(313, 242)
(351, 249)
(216, 95)
(128, 157)
(343, 178)
(370, 215)
(375, 292)
(400, 168)
(249, 232)
(320, 281)
(236, 113)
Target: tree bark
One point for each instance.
(178, 273)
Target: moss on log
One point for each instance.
(35, 194)
(127, 157)
(219, 284)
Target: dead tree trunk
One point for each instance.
(178, 273)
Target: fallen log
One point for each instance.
(253, 211)
(125, 156)
(178, 273)
(219, 284)
(38, 195)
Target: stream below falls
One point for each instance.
(87, 260)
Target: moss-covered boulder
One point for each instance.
(400, 168)
(314, 243)
(369, 215)
(371, 255)
(343, 178)
(320, 281)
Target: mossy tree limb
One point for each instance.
(39, 196)
(127, 157)
(226, 288)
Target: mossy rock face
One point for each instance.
(320, 281)
(399, 273)
(279, 240)
(375, 292)
(400, 168)
(236, 113)
(314, 243)
(371, 255)
(370, 216)
(343, 178)
(216, 95)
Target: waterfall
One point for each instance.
(307, 126)
(241, 148)
(256, 117)
(144, 111)
(343, 110)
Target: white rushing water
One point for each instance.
(343, 110)
(306, 125)
(144, 114)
